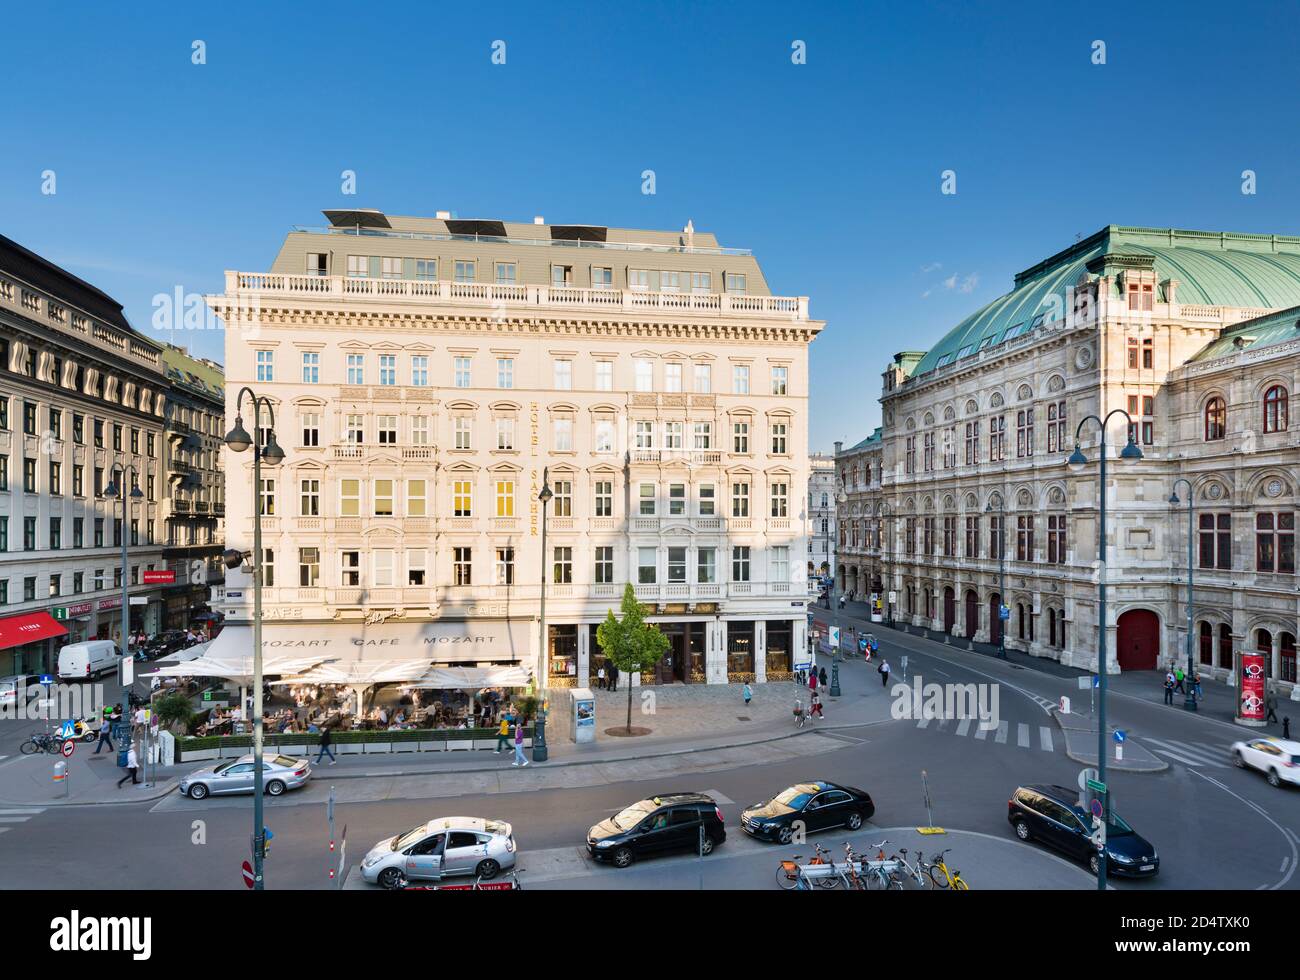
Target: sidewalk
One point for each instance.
(29, 780)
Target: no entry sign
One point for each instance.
(69, 746)
(248, 875)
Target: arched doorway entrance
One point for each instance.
(972, 613)
(995, 619)
(949, 609)
(1138, 640)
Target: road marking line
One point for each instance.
(1285, 862)
(1022, 735)
(1185, 760)
(1287, 834)
(14, 819)
(981, 732)
(963, 729)
(31, 812)
(719, 797)
(1045, 737)
(923, 723)
(1184, 754)
(1001, 736)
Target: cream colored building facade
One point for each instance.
(428, 374)
(977, 429)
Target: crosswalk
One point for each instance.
(1022, 735)
(1194, 755)
(11, 817)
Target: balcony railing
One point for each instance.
(425, 292)
(697, 457)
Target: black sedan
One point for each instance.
(1052, 815)
(806, 808)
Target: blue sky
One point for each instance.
(168, 173)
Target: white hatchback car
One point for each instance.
(1277, 759)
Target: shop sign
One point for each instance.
(114, 603)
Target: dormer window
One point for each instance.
(1141, 296)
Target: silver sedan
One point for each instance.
(441, 848)
(279, 773)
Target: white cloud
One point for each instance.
(931, 267)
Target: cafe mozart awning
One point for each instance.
(473, 678)
(230, 656)
(28, 628)
(360, 672)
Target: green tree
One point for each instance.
(174, 710)
(630, 643)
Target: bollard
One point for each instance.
(61, 776)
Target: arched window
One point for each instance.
(1216, 421)
(1287, 645)
(1207, 644)
(1225, 644)
(1275, 400)
(1264, 645)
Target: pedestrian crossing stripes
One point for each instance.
(11, 817)
(1191, 754)
(1002, 733)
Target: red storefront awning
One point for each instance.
(17, 630)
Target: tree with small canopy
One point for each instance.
(631, 644)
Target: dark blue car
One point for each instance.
(1052, 814)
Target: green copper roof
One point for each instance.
(1264, 331)
(867, 443)
(1212, 269)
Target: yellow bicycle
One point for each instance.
(944, 878)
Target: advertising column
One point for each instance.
(1251, 692)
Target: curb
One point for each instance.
(170, 787)
(1160, 766)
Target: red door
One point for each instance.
(995, 619)
(1138, 640)
(949, 609)
(972, 614)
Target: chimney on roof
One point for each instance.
(538, 219)
(838, 446)
(442, 215)
(689, 232)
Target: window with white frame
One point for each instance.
(562, 502)
(388, 369)
(419, 430)
(604, 498)
(563, 375)
(462, 498)
(265, 365)
(349, 497)
(310, 367)
(735, 282)
(505, 498)
(604, 570)
(677, 499)
(382, 559)
(564, 434)
(563, 565)
(463, 426)
(646, 496)
(780, 557)
(706, 566)
(426, 269)
(462, 565)
(779, 430)
(701, 282)
(417, 560)
(703, 435)
(390, 267)
(466, 271)
(309, 567)
(416, 499)
(673, 376)
(704, 378)
(350, 569)
(507, 274)
(460, 371)
(740, 563)
(310, 429)
(673, 435)
(670, 282)
(267, 496)
(358, 266)
(740, 437)
(645, 434)
(383, 495)
(646, 565)
(676, 564)
(780, 494)
(505, 372)
(504, 570)
(740, 498)
(645, 375)
(638, 280)
(387, 429)
(780, 379)
(505, 432)
(740, 379)
(604, 440)
(708, 499)
(604, 375)
(309, 497)
(602, 277)
(420, 370)
(356, 369)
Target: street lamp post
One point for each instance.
(888, 579)
(1076, 461)
(110, 492)
(840, 498)
(1002, 573)
(539, 721)
(1189, 696)
(239, 440)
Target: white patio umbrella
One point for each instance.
(360, 675)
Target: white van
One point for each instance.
(78, 661)
(13, 691)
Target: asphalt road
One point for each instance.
(1214, 826)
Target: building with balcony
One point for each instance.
(823, 486)
(859, 571)
(80, 393)
(1194, 335)
(429, 374)
(194, 501)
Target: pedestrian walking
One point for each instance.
(503, 735)
(749, 694)
(883, 671)
(1169, 687)
(519, 744)
(105, 735)
(812, 679)
(600, 678)
(132, 768)
(613, 677)
(1196, 686)
(821, 678)
(816, 708)
(1286, 728)
(1178, 680)
(325, 746)
(1270, 702)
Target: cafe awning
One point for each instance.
(230, 656)
(441, 642)
(360, 672)
(473, 678)
(28, 628)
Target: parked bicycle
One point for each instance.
(800, 716)
(790, 876)
(878, 875)
(943, 877)
(914, 873)
(41, 742)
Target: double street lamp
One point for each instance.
(110, 492)
(1189, 695)
(1077, 461)
(264, 448)
(1002, 573)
